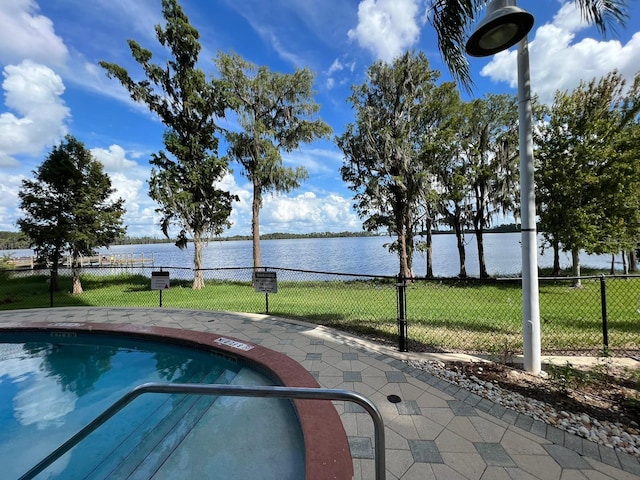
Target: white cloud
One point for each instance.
(93, 78)
(315, 160)
(130, 189)
(26, 34)
(141, 15)
(308, 212)
(270, 37)
(140, 218)
(34, 92)
(114, 159)
(298, 212)
(336, 66)
(387, 27)
(129, 178)
(302, 211)
(339, 65)
(569, 18)
(9, 188)
(559, 64)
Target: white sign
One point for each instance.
(159, 280)
(233, 344)
(265, 282)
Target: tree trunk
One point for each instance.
(255, 225)
(54, 285)
(556, 258)
(625, 267)
(575, 268)
(76, 288)
(429, 251)
(461, 250)
(482, 264)
(402, 252)
(633, 261)
(612, 270)
(198, 276)
(408, 242)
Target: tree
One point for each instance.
(382, 148)
(588, 160)
(452, 20)
(456, 191)
(552, 181)
(183, 181)
(472, 155)
(439, 147)
(491, 150)
(630, 222)
(430, 214)
(69, 208)
(275, 113)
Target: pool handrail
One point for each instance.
(297, 393)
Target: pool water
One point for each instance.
(52, 384)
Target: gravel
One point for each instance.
(625, 438)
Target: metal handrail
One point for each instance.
(300, 393)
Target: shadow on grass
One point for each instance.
(468, 283)
(465, 325)
(94, 282)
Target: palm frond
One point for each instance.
(604, 14)
(452, 20)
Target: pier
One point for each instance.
(102, 260)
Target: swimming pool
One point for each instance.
(53, 383)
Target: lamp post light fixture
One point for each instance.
(504, 26)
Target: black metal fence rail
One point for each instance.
(444, 314)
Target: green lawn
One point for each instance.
(447, 315)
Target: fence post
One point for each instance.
(51, 280)
(603, 305)
(266, 298)
(401, 297)
(160, 290)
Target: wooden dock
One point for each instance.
(104, 260)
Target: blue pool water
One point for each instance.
(51, 385)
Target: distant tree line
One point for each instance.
(266, 236)
(18, 240)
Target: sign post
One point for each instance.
(160, 281)
(266, 282)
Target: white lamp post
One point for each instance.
(504, 26)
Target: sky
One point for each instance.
(52, 85)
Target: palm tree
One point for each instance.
(452, 19)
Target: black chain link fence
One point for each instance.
(448, 315)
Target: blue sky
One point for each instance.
(52, 84)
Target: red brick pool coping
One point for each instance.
(327, 454)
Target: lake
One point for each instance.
(357, 255)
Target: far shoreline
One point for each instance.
(17, 240)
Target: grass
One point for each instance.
(447, 315)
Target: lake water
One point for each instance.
(357, 255)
